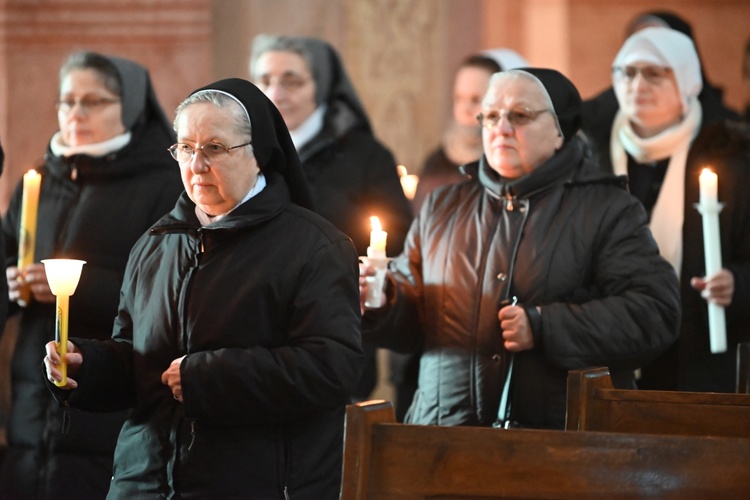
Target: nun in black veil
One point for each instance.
(237, 342)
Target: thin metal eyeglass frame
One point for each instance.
(173, 149)
(533, 114)
(645, 72)
(85, 107)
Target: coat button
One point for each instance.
(496, 358)
(502, 276)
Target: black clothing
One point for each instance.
(688, 364)
(352, 176)
(264, 382)
(94, 209)
(263, 305)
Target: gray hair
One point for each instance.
(103, 67)
(519, 73)
(278, 43)
(221, 100)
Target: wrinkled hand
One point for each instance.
(516, 329)
(171, 378)
(34, 276)
(717, 289)
(74, 359)
(365, 271)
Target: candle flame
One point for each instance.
(401, 170)
(32, 172)
(375, 223)
(706, 171)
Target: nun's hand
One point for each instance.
(716, 289)
(172, 378)
(74, 359)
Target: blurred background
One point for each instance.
(400, 54)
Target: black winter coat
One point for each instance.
(92, 209)
(264, 305)
(352, 176)
(566, 238)
(689, 365)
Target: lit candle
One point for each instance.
(709, 208)
(377, 239)
(27, 232)
(63, 276)
(709, 188)
(409, 182)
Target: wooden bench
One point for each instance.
(595, 405)
(387, 460)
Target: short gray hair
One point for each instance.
(221, 100)
(279, 43)
(83, 60)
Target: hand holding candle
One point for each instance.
(63, 276)
(709, 207)
(27, 227)
(376, 258)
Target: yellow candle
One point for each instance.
(61, 335)
(377, 239)
(63, 276)
(27, 233)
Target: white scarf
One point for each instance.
(96, 150)
(667, 215)
(309, 128)
(205, 219)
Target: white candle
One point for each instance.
(409, 182)
(709, 188)
(377, 239)
(709, 207)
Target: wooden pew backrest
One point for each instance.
(595, 405)
(386, 460)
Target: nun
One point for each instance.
(661, 139)
(541, 264)
(237, 341)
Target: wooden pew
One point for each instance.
(387, 460)
(595, 405)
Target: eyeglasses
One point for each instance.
(290, 83)
(652, 74)
(85, 105)
(212, 152)
(516, 117)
